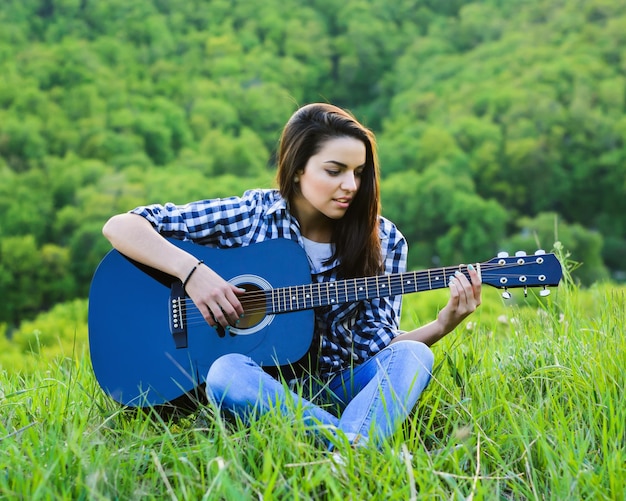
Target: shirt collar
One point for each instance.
(281, 205)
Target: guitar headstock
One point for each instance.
(508, 272)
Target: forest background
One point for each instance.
(501, 125)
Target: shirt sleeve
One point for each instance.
(221, 221)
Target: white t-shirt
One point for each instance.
(318, 252)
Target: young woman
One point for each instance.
(327, 201)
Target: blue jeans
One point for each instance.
(373, 398)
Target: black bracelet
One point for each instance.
(191, 273)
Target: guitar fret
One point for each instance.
(297, 297)
(358, 288)
(426, 282)
(398, 286)
(438, 278)
(406, 282)
(307, 295)
(416, 283)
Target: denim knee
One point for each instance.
(411, 351)
(223, 373)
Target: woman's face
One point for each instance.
(331, 179)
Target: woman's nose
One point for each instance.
(349, 182)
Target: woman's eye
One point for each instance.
(332, 172)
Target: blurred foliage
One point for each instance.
(494, 120)
(60, 332)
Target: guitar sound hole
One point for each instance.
(253, 306)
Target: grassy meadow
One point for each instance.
(527, 402)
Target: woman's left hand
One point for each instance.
(465, 297)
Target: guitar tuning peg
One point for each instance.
(503, 254)
(539, 252)
(506, 294)
(520, 254)
(544, 292)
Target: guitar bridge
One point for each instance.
(178, 315)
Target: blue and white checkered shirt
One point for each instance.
(348, 334)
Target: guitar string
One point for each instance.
(257, 301)
(260, 297)
(396, 279)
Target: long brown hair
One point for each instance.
(355, 235)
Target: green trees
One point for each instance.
(531, 106)
(443, 219)
(489, 116)
(32, 278)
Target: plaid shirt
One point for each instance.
(346, 334)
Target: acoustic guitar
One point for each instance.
(150, 345)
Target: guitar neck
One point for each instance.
(303, 297)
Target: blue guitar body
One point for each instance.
(134, 352)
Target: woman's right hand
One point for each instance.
(215, 297)
(135, 237)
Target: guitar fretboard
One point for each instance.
(304, 297)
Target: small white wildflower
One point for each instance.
(462, 433)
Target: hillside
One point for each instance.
(500, 124)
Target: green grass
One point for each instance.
(527, 402)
